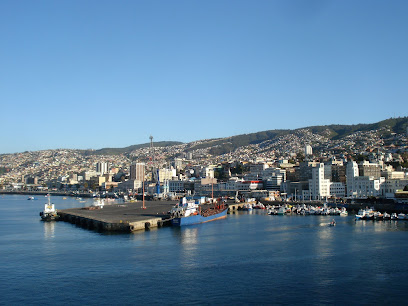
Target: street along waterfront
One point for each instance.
(249, 257)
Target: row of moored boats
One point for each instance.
(304, 209)
(371, 214)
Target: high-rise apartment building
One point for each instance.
(308, 150)
(102, 168)
(137, 171)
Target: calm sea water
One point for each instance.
(248, 258)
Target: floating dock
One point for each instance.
(122, 217)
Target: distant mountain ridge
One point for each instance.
(227, 144)
(116, 151)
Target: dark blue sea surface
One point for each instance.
(248, 258)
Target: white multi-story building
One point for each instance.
(88, 174)
(351, 174)
(337, 189)
(102, 168)
(166, 174)
(207, 172)
(319, 187)
(308, 150)
(391, 186)
(365, 186)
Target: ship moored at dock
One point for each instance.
(188, 212)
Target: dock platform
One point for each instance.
(122, 217)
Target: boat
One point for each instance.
(31, 198)
(247, 207)
(188, 212)
(343, 212)
(394, 216)
(333, 223)
(99, 203)
(49, 213)
(361, 214)
(401, 216)
(281, 211)
(386, 216)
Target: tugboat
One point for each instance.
(49, 213)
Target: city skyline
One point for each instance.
(86, 74)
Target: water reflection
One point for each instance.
(188, 237)
(380, 226)
(49, 230)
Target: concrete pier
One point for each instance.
(123, 217)
(233, 207)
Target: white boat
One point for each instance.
(282, 210)
(361, 214)
(386, 216)
(402, 216)
(99, 203)
(49, 213)
(343, 212)
(394, 216)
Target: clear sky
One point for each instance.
(92, 74)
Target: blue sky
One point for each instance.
(92, 74)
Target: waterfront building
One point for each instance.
(319, 187)
(366, 186)
(392, 186)
(351, 173)
(337, 189)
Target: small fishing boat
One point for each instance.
(281, 211)
(332, 223)
(49, 213)
(343, 212)
(361, 214)
(401, 216)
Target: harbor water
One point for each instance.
(247, 258)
